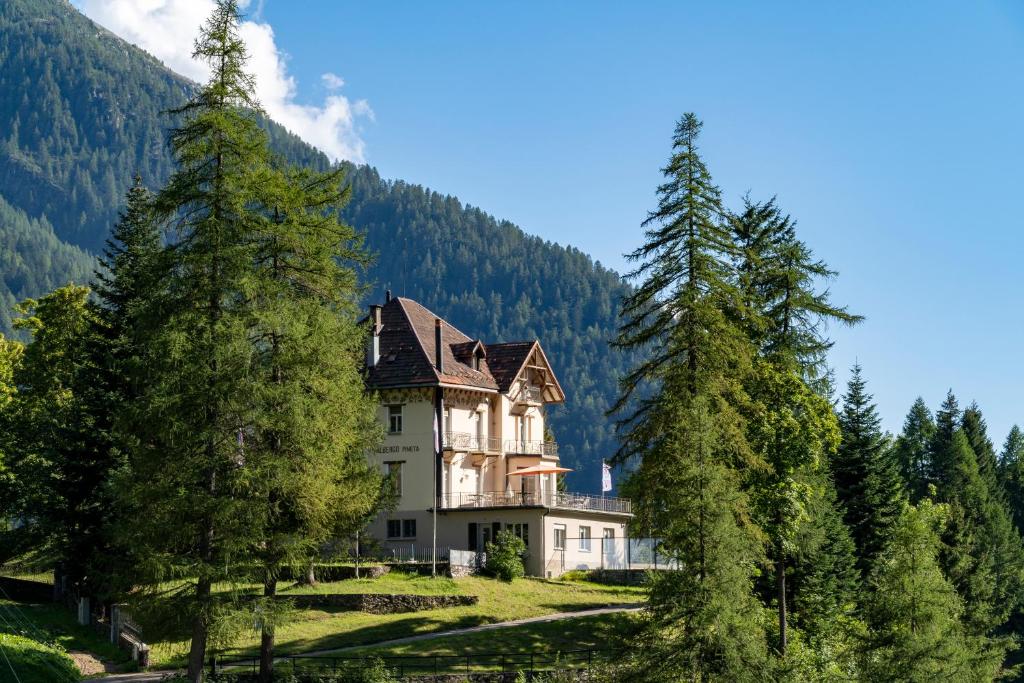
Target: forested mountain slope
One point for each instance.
(82, 111)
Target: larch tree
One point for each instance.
(204, 469)
(867, 481)
(915, 613)
(790, 423)
(911, 450)
(315, 421)
(682, 426)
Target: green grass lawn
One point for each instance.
(41, 634)
(29, 661)
(315, 629)
(565, 639)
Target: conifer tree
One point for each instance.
(56, 453)
(790, 426)
(914, 613)
(316, 420)
(683, 427)
(976, 431)
(780, 280)
(196, 492)
(1011, 474)
(867, 483)
(911, 450)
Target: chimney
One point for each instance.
(438, 356)
(373, 350)
(387, 296)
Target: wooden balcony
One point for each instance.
(558, 500)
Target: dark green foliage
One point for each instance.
(683, 427)
(914, 613)
(97, 105)
(911, 450)
(1011, 474)
(505, 556)
(867, 482)
(779, 278)
(976, 431)
(56, 438)
(983, 556)
(825, 582)
(33, 260)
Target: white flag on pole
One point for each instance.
(437, 435)
(606, 477)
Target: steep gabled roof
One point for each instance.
(408, 355)
(408, 351)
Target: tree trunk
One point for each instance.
(267, 636)
(200, 632)
(311, 575)
(780, 585)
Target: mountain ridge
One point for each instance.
(82, 111)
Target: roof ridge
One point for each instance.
(419, 342)
(417, 303)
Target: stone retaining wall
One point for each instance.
(381, 603)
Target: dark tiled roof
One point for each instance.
(506, 360)
(407, 350)
(408, 358)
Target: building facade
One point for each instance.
(466, 438)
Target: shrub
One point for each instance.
(505, 556)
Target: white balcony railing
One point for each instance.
(517, 447)
(559, 500)
(464, 441)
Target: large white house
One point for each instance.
(465, 433)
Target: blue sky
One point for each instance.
(891, 131)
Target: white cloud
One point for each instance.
(167, 30)
(332, 81)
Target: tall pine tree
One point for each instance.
(1011, 474)
(315, 421)
(911, 450)
(683, 426)
(866, 478)
(790, 426)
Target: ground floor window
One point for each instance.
(522, 531)
(585, 539)
(401, 528)
(559, 537)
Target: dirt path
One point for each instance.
(558, 616)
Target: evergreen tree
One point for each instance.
(914, 613)
(867, 483)
(197, 493)
(790, 427)
(1011, 474)
(55, 450)
(983, 556)
(316, 421)
(779, 278)
(911, 450)
(976, 431)
(686, 432)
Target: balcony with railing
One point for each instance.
(464, 441)
(518, 447)
(557, 500)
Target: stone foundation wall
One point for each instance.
(381, 603)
